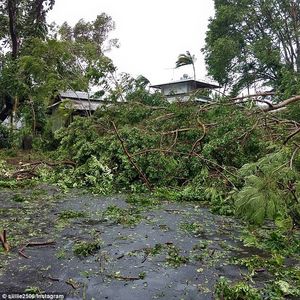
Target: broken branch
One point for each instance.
(3, 241)
(34, 244)
(254, 96)
(201, 138)
(142, 175)
(282, 104)
(291, 135)
(120, 277)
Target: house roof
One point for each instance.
(77, 95)
(197, 84)
(80, 101)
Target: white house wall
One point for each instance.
(179, 88)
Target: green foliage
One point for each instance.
(278, 240)
(270, 189)
(19, 198)
(142, 200)
(5, 137)
(186, 59)
(278, 248)
(70, 214)
(174, 258)
(239, 291)
(45, 64)
(33, 290)
(144, 130)
(233, 142)
(94, 175)
(244, 44)
(127, 217)
(86, 248)
(194, 228)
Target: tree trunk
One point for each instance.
(12, 14)
(6, 111)
(38, 10)
(194, 70)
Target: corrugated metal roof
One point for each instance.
(76, 95)
(79, 100)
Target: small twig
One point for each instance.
(166, 116)
(126, 278)
(215, 164)
(175, 140)
(34, 244)
(177, 130)
(247, 133)
(293, 156)
(52, 278)
(23, 254)
(173, 210)
(23, 174)
(291, 135)
(50, 164)
(72, 284)
(145, 257)
(200, 139)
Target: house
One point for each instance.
(186, 89)
(71, 103)
(80, 103)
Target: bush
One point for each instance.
(5, 137)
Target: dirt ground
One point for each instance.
(110, 248)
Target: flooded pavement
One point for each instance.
(109, 248)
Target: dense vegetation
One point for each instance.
(236, 157)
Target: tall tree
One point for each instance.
(95, 32)
(254, 41)
(39, 65)
(20, 22)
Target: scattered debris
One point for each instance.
(4, 242)
(118, 276)
(34, 244)
(73, 283)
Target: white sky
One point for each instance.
(151, 33)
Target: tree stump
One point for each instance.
(27, 142)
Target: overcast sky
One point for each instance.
(151, 33)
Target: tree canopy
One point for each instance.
(37, 62)
(186, 59)
(255, 42)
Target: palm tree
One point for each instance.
(186, 59)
